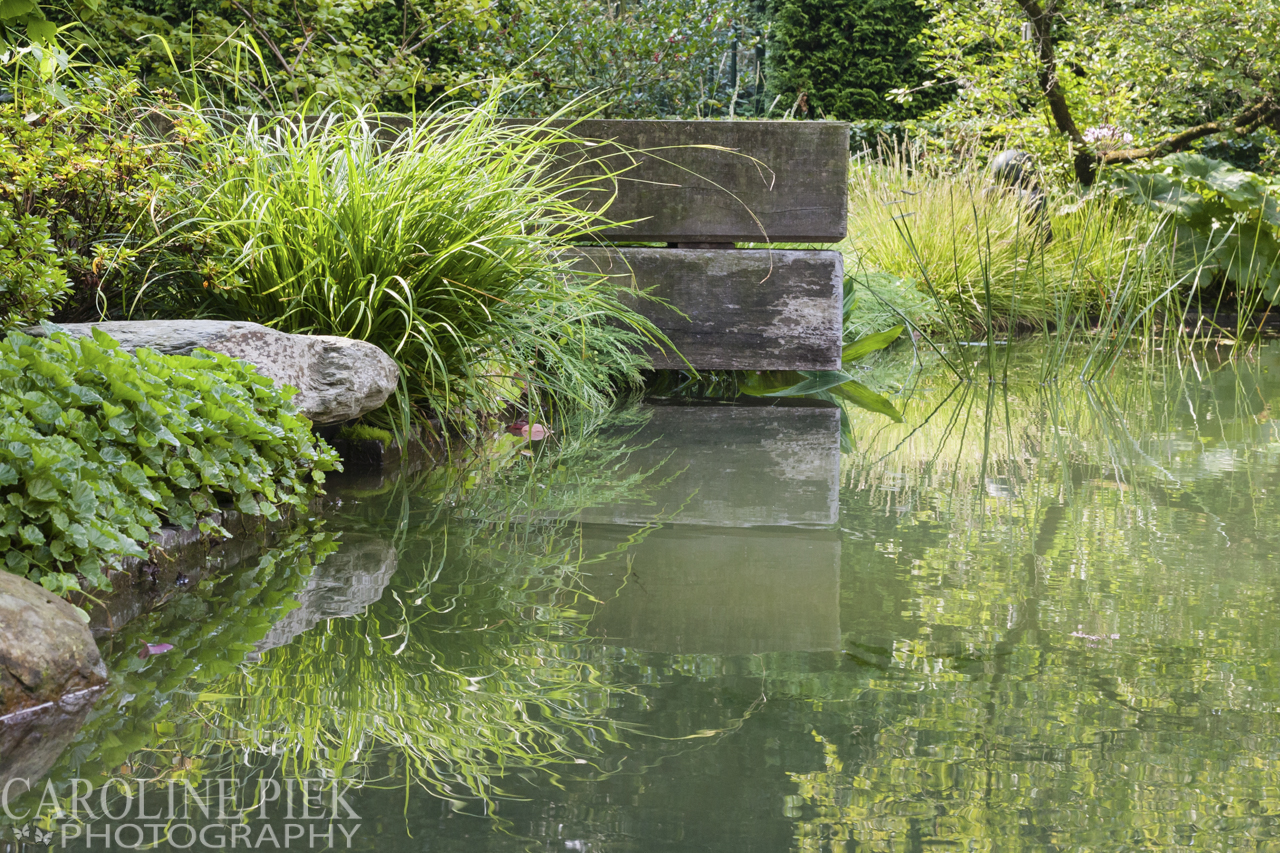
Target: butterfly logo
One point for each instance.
(28, 832)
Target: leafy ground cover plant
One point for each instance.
(99, 447)
(444, 247)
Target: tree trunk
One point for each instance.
(1041, 18)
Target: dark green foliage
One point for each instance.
(655, 59)
(99, 447)
(269, 55)
(31, 276)
(846, 56)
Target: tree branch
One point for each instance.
(253, 22)
(1265, 111)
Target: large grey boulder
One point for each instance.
(46, 650)
(337, 378)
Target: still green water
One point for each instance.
(1041, 618)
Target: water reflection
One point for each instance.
(706, 591)
(1085, 655)
(1046, 618)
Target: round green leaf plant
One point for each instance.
(99, 447)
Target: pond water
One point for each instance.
(1031, 617)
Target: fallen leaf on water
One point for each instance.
(535, 432)
(150, 649)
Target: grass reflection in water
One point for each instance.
(472, 663)
(1077, 647)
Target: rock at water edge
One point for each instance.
(337, 378)
(46, 650)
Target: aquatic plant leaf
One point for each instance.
(870, 343)
(762, 383)
(149, 649)
(860, 395)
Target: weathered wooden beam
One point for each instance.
(730, 466)
(705, 591)
(734, 309)
(724, 181)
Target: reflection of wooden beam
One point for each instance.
(733, 466)
(687, 590)
(735, 309)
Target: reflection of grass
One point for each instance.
(473, 664)
(468, 668)
(145, 696)
(974, 436)
(1085, 583)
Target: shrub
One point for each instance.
(848, 55)
(662, 57)
(32, 280)
(1226, 220)
(89, 188)
(99, 447)
(444, 248)
(658, 59)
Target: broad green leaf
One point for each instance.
(42, 489)
(870, 343)
(10, 9)
(791, 383)
(103, 339)
(863, 397)
(41, 31)
(814, 381)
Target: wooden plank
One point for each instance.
(730, 466)
(723, 592)
(713, 181)
(735, 309)
(725, 181)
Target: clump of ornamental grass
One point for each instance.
(442, 242)
(980, 250)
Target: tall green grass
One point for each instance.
(1091, 268)
(979, 249)
(443, 244)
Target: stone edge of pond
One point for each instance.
(47, 651)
